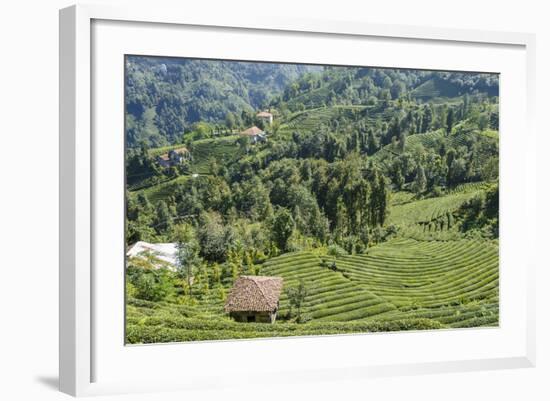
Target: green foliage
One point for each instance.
(215, 239)
(282, 228)
(164, 98)
(174, 329)
(420, 181)
(480, 214)
(296, 297)
(150, 284)
(187, 250)
(375, 197)
(412, 292)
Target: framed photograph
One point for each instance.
(341, 199)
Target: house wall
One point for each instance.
(260, 317)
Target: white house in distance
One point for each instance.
(174, 157)
(164, 252)
(255, 134)
(266, 116)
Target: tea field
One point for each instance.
(399, 285)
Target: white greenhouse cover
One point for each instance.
(165, 252)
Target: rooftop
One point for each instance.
(254, 294)
(181, 150)
(252, 131)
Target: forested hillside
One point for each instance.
(373, 193)
(165, 96)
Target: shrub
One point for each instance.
(152, 285)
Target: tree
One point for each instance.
(187, 250)
(491, 202)
(457, 171)
(335, 251)
(483, 121)
(296, 298)
(282, 228)
(420, 180)
(230, 120)
(151, 284)
(372, 142)
(465, 106)
(450, 120)
(427, 118)
(398, 179)
(385, 96)
(377, 204)
(402, 140)
(243, 142)
(163, 220)
(214, 238)
(397, 89)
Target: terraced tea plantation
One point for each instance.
(373, 193)
(401, 279)
(401, 284)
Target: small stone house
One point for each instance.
(255, 134)
(174, 157)
(164, 160)
(254, 299)
(266, 116)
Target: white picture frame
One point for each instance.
(83, 326)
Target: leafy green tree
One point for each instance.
(163, 221)
(385, 97)
(450, 120)
(427, 118)
(402, 140)
(151, 284)
(377, 204)
(373, 143)
(214, 238)
(420, 181)
(457, 172)
(490, 169)
(230, 120)
(492, 202)
(398, 88)
(187, 251)
(282, 228)
(483, 121)
(296, 298)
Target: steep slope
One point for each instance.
(164, 96)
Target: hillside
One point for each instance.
(362, 86)
(402, 284)
(165, 96)
(373, 193)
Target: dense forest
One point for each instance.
(165, 96)
(363, 172)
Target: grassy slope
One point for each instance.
(311, 119)
(432, 219)
(397, 285)
(423, 279)
(223, 150)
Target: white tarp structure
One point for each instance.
(165, 252)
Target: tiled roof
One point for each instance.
(264, 114)
(181, 150)
(254, 294)
(252, 131)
